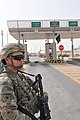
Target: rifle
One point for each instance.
(43, 103)
(44, 108)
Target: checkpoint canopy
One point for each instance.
(44, 29)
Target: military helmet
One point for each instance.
(10, 48)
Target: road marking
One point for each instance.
(71, 71)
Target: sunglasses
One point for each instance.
(18, 57)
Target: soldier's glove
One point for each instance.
(43, 99)
(45, 112)
(45, 96)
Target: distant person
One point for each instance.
(16, 88)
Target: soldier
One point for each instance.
(15, 87)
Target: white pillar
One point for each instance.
(54, 51)
(72, 47)
(26, 55)
(2, 37)
(54, 48)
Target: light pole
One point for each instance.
(2, 37)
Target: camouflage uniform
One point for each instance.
(15, 88)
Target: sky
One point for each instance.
(37, 10)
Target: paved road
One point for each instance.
(64, 93)
(71, 70)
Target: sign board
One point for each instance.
(54, 24)
(61, 47)
(73, 23)
(36, 24)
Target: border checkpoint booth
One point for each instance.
(49, 51)
(45, 29)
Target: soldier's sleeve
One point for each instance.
(8, 106)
